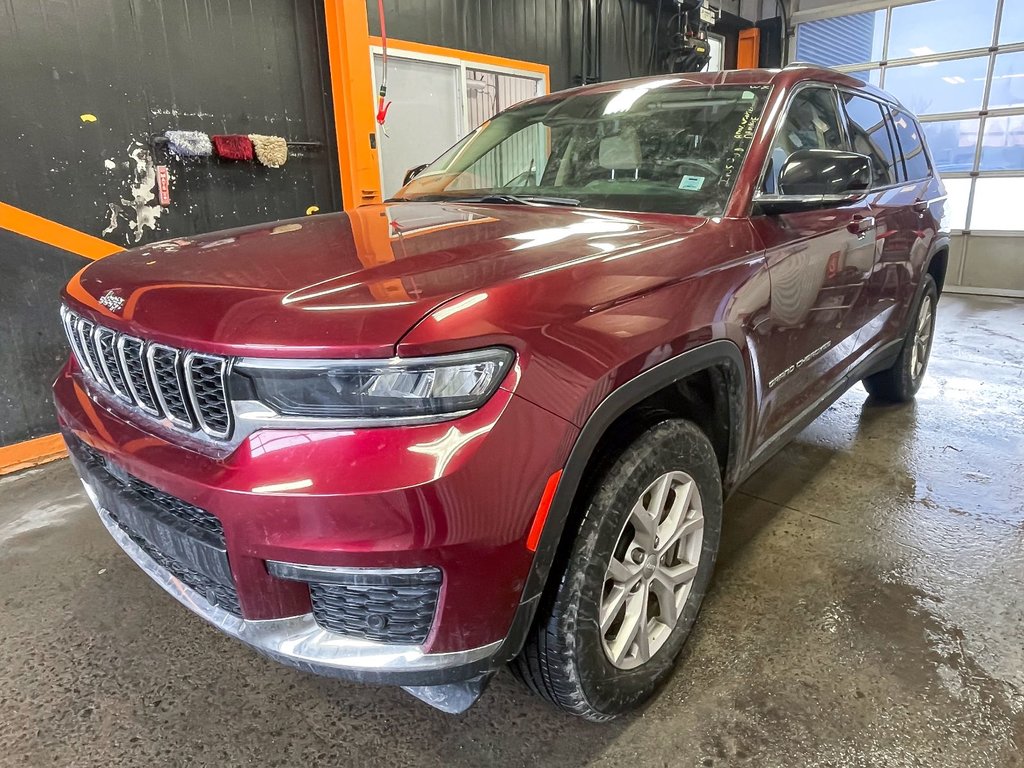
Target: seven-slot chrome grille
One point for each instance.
(189, 389)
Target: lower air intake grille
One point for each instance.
(198, 523)
(386, 614)
(222, 595)
(193, 517)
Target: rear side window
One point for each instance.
(811, 122)
(870, 137)
(908, 133)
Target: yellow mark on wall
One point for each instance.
(312, 209)
(87, 118)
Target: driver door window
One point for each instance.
(870, 137)
(811, 123)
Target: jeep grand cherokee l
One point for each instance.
(493, 420)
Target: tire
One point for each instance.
(567, 659)
(900, 383)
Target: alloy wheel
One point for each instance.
(651, 570)
(922, 338)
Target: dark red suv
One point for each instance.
(494, 419)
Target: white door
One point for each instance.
(425, 117)
(716, 60)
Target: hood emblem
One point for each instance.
(112, 301)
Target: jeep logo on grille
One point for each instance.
(112, 301)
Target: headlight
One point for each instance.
(377, 389)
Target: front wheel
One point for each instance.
(635, 578)
(900, 383)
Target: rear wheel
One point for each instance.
(637, 573)
(900, 383)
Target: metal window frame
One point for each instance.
(851, 8)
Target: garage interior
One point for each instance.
(868, 602)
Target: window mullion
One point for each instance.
(998, 23)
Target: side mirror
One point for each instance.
(413, 172)
(818, 178)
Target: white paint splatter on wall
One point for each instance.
(173, 111)
(114, 209)
(138, 211)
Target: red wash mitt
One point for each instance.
(232, 147)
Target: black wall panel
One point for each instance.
(32, 347)
(142, 67)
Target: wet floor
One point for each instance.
(868, 610)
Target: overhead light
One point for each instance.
(924, 50)
(955, 80)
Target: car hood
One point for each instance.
(345, 284)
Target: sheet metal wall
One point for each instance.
(141, 67)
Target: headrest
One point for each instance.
(620, 152)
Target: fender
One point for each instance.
(941, 243)
(611, 408)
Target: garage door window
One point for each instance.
(940, 26)
(952, 143)
(1002, 148)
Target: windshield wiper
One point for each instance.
(520, 200)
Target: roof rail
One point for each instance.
(799, 64)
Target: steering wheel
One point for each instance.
(707, 170)
(525, 179)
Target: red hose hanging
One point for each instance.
(382, 107)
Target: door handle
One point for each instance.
(861, 225)
(920, 206)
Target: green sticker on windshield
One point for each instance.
(691, 183)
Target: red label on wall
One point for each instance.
(163, 185)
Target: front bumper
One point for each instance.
(298, 641)
(438, 496)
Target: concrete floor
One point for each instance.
(868, 610)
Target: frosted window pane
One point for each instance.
(997, 204)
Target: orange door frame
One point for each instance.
(352, 94)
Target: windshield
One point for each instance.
(662, 146)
